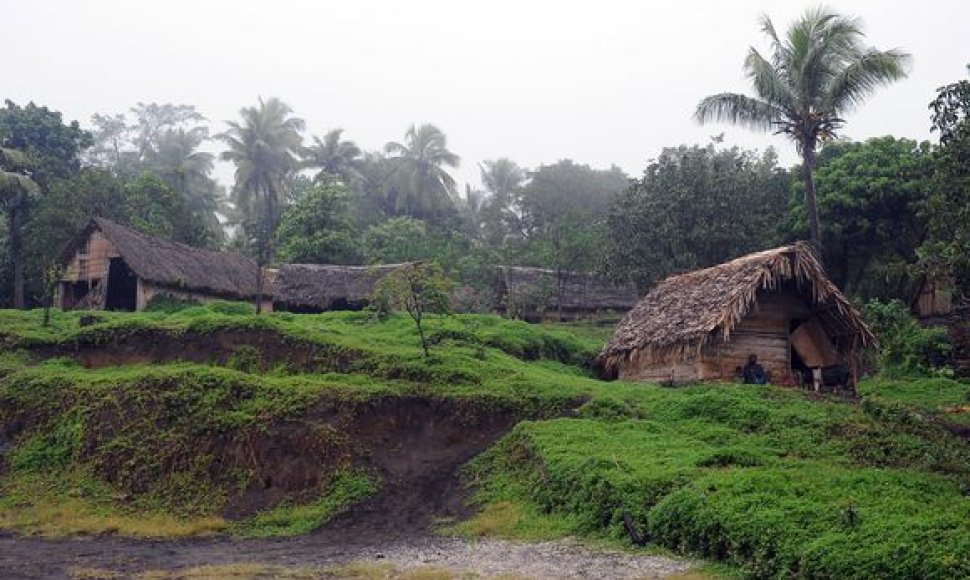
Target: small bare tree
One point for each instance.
(418, 288)
(52, 276)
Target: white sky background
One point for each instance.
(600, 82)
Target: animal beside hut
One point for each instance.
(108, 266)
(536, 293)
(703, 325)
(321, 287)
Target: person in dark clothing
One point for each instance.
(754, 374)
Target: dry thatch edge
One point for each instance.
(803, 267)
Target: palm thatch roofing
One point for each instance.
(581, 292)
(322, 287)
(172, 264)
(684, 312)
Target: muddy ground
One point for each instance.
(42, 558)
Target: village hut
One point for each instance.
(537, 293)
(112, 267)
(777, 304)
(322, 287)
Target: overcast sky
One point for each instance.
(601, 82)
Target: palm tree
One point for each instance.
(503, 180)
(264, 147)
(333, 157)
(425, 185)
(178, 161)
(819, 71)
(15, 189)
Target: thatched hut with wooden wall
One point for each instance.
(537, 293)
(113, 267)
(321, 287)
(703, 325)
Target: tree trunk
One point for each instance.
(561, 291)
(17, 250)
(259, 287)
(811, 203)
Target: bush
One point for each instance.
(232, 308)
(905, 347)
(169, 304)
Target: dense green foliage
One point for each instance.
(317, 227)
(695, 207)
(759, 477)
(869, 196)
(906, 348)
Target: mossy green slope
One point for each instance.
(772, 480)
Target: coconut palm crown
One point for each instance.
(425, 185)
(816, 73)
(264, 148)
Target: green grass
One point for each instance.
(759, 477)
(941, 398)
(290, 520)
(762, 478)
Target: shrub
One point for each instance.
(905, 347)
(168, 304)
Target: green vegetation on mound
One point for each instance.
(269, 430)
(760, 477)
(244, 431)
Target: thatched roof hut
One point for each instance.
(704, 324)
(108, 265)
(533, 293)
(322, 287)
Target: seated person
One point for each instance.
(754, 374)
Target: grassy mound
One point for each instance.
(172, 423)
(760, 477)
(213, 419)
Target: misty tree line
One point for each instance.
(890, 208)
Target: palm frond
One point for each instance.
(739, 110)
(850, 87)
(768, 82)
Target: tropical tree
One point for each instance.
(333, 157)
(263, 146)
(818, 72)
(317, 227)
(501, 210)
(425, 186)
(15, 187)
(694, 206)
(49, 152)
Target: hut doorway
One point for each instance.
(122, 286)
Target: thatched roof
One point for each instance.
(320, 287)
(174, 265)
(684, 312)
(582, 292)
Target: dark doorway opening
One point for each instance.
(122, 287)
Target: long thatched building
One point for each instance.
(777, 304)
(322, 287)
(537, 293)
(113, 267)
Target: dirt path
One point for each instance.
(41, 558)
